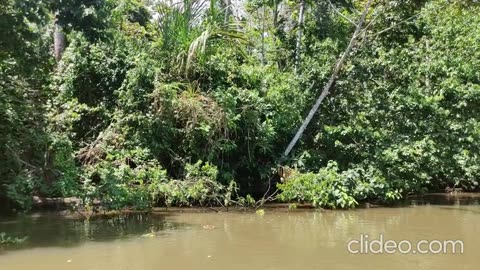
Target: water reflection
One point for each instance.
(46, 230)
(446, 199)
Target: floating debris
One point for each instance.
(149, 235)
(260, 212)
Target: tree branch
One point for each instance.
(339, 13)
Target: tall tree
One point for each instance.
(87, 16)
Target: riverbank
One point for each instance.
(64, 206)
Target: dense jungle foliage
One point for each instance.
(134, 104)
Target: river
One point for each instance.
(277, 239)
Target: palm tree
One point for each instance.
(188, 26)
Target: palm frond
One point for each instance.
(198, 46)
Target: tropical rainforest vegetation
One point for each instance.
(135, 104)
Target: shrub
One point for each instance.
(330, 188)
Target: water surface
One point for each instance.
(279, 239)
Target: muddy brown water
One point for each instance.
(279, 239)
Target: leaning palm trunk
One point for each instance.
(326, 89)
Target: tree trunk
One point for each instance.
(275, 14)
(428, 60)
(298, 48)
(263, 35)
(228, 6)
(58, 40)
